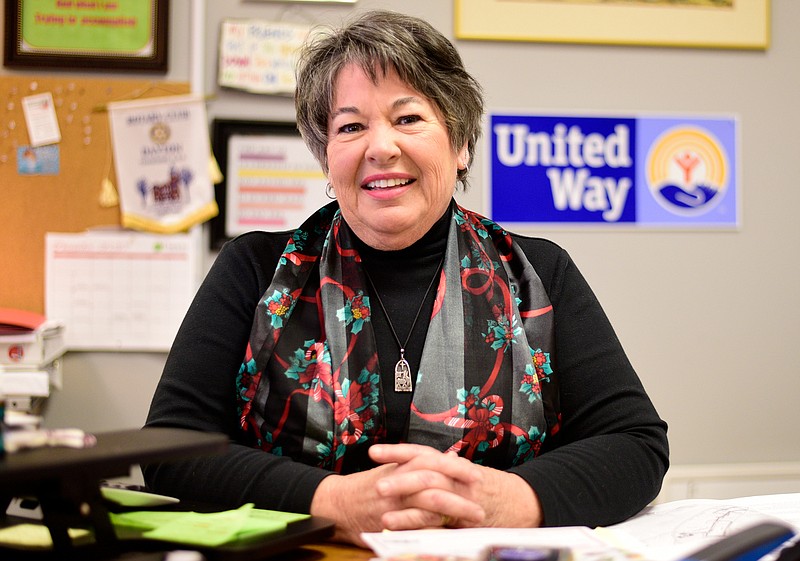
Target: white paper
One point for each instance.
(470, 543)
(120, 290)
(671, 530)
(40, 117)
(664, 532)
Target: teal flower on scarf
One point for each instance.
(537, 371)
(458, 216)
(328, 452)
(295, 245)
(530, 384)
(311, 367)
(468, 398)
(541, 360)
(279, 307)
(356, 312)
(244, 379)
(501, 333)
(528, 446)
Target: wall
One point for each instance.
(710, 320)
(109, 391)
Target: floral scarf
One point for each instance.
(310, 386)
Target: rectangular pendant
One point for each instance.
(402, 376)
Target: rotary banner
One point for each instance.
(161, 157)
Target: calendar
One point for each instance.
(120, 290)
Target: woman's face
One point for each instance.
(389, 158)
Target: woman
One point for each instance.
(407, 363)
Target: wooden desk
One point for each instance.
(329, 551)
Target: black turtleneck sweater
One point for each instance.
(402, 279)
(605, 463)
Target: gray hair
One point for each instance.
(384, 40)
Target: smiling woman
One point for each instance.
(399, 361)
(390, 160)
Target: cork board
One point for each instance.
(66, 201)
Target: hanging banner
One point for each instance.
(635, 171)
(161, 156)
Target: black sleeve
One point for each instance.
(197, 391)
(610, 455)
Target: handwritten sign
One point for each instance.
(259, 56)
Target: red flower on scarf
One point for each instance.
(281, 306)
(358, 309)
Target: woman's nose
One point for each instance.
(382, 145)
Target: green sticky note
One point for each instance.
(277, 516)
(205, 529)
(142, 520)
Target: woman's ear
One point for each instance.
(463, 157)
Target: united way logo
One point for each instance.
(687, 171)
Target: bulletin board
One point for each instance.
(70, 199)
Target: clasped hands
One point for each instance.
(417, 487)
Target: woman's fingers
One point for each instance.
(413, 481)
(411, 457)
(434, 508)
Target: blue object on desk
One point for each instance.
(750, 544)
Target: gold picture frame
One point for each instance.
(737, 24)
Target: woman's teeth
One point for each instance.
(386, 183)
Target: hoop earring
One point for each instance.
(461, 176)
(329, 192)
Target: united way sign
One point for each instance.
(635, 171)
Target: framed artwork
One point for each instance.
(126, 35)
(315, 1)
(733, 24)
(271, 180)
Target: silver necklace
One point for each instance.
(402, 370)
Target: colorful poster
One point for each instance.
(635, 171)
(259, 56)
(161, 156)
(273, 183)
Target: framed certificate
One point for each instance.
(271, 180)
(723, 24)
(121, 35)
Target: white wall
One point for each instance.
(711, 320)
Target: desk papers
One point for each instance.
(470, 542)
(670, 530)
(664, 532)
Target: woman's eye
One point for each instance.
(409, 119)
(350, 128)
